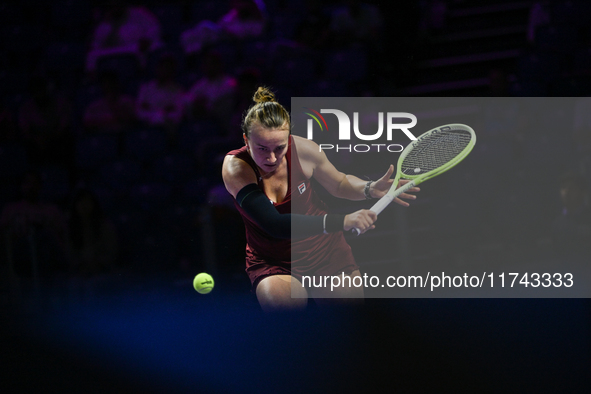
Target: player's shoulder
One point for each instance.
(307, 149)
(234, 166)
(301, 141)
(237, 173)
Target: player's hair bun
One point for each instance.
(266, 111)
(263, 95)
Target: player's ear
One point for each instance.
(245, 138)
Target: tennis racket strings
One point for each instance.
(435, 150)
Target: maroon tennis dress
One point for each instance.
(324, 254)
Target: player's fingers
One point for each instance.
(360, 225)
(364, 223)
(387, 175)
(369, 216)
(408, 196)
(369, 221)
(389, 172)
(400, 202)
(365, 229)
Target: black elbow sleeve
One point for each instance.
(256, 204)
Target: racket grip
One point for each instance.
(382, 203)
(377, 208)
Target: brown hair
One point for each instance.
(266, 111)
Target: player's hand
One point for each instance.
(406, 195)
(363, 220)
(380, 187)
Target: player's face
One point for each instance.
(267, 146)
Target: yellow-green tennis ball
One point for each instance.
(203, 283)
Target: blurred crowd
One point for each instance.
(115, 115)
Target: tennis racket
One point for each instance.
(432, 154)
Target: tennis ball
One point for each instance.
(203, 283)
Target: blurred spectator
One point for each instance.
(212, 96)
(196, 38)
(92, 237)
(45, 121)
(356, 22)
(112, 113)
(539, 15)
(35, 231)
(244, 20)
(160, 102)
(124, 29)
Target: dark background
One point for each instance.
(139, 325)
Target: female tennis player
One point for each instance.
(288, 231)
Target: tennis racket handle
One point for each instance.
(382, 203)
(377, 208)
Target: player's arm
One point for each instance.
(240, 181)
(315, 164)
